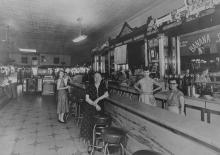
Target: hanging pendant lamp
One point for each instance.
(81, 36)
(6, 34)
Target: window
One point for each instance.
(24, 60)
(34, 58)
(56, 60)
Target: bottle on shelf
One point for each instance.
(193, 90)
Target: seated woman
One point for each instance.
(175, 99)
(95, 93)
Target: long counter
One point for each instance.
(196, 108)
(154, 128)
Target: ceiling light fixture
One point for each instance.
(27, 50)
(6, 34)
(81, 36)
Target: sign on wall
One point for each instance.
(201, 42)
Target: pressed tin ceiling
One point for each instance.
(50, 25)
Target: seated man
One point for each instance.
(175, 99)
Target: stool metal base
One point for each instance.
(94, 137)
(79, 116)
(106, 150)
(146, 152)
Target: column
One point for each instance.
(161, 55)
(102, 64)
(178, 55)
(145, 52)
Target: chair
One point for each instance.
(79, 111)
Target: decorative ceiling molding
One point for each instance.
(126, 29)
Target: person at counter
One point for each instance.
(186, 82)
(145, 88)
(206, 89)
(175, 98)
(62, 105)
(67, 80)
(95, 93)
(204, 77)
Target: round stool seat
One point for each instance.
(146, 152)
(113, 135)
(102, 119)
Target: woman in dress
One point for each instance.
(62, 106)
(95, 93)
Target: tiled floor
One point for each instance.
(29, 126)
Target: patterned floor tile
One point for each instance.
(29, 126)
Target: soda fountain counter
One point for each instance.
(158, 129)
(197, 106)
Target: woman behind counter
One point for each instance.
(175, 99)
(95, 93)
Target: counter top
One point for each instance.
(203, 133)
(161, 95)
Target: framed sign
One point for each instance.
(201, 42)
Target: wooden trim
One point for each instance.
(173, 29)
(201, 31)
(123, 27)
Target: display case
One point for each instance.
(207, 90)
(48, 85)
(32, 85)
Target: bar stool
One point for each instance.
(73, 106)
(101, 121)
(79, 110)
(114, 137)
(146, 152)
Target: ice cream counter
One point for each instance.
(154, 128)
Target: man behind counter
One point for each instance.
(145, 86)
